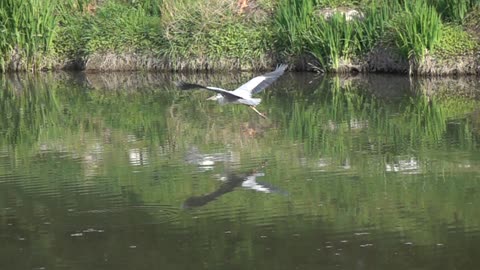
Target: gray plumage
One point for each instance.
(243, 94)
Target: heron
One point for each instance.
(243, 94)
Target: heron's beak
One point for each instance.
(212, 98)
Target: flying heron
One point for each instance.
(243, 94)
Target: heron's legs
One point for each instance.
(259, 113)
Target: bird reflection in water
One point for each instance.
(247, 180)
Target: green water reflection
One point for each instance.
(122, 171)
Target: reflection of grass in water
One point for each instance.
(426, 120)
(26, 107)
(340, 124)
(334, 121)
(326, 119)
(329, 120)
(343, 119)
(337, 122)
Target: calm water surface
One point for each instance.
(122, 171)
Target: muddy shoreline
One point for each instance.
(380, 60)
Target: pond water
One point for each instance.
(123, 171)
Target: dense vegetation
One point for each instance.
(193, 34)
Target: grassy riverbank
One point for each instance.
(417, 37)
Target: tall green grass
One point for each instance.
(28, 29)
(33, 31)
(151, 7)
(414, 27)
(417, 29)
(212, 34)
(454, 10)
(293, 20)
(371, 30)
(303, 30)
(333, 39)
(68, 7)
(107, 31)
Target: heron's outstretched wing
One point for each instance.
(259, 83)
(189, 86)
(226, 93)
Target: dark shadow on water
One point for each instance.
(232, 180)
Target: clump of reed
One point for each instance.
(332, 39)
(28, 29)
(413, 27)
(454, 10)
(292, 21)
(417, 29)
